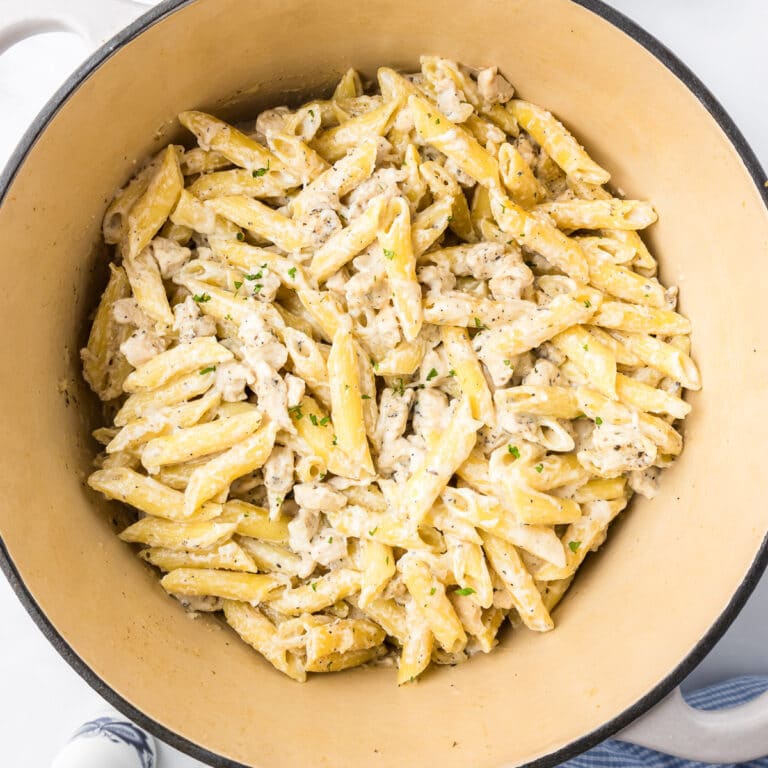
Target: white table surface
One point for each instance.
(41, 698)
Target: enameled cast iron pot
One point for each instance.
(642, 613)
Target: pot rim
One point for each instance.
(580, 745)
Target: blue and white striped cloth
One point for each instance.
(619, 754)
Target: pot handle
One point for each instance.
(94, 21)
(735, 735)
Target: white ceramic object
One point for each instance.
(108, 741)
(739, 734)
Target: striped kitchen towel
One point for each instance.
(619, 754)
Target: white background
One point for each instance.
(42, 700)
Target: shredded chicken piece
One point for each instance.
(190, 323)
(494, 87)
(231, 380)
(141, 346)
(170, 256)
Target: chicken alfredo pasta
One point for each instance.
(384, 368)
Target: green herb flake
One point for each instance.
(514, 450)
(365, 397)
(433, 590)
(389, 254)
(324, 421)
(431, 375)
(508, 363)
(335, 441)
(437, 121)
(479, 323)
(257, 276)
(464, 591)
(586, 347)
(400, 387)
(240, 236)
(330, 539)
(451, 372)
(314, 586)
(292, 273)
(257, 288)
(202, 298)
(313, 419)
(598, 421)
(209, 369)
(372, 532)
(587, 303)
(574, 546)
(539, 468)
(295, 412)
(260, 171)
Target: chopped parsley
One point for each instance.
(295, 411)
(257, 276)
(514, 450)
(598, 421)
(479, 324)
(574, 546)
(400, 387)
(373, 531)
(314, 586)
(431, 375)
(433, 590)
(464, 591)
(202, 298)
(539, 468)
(365, 397)
(257, 288)
(240, 236)
(587, 303)
(451, 372)
(335, 441)
(260, 171)
(209, 369)
(389, 254)
(330, 539)
(313, 418)
(292, 273)
(437, 121)
(586, 347)
(508, 363)
(238, 283)
(324, 421)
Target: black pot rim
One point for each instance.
(674, 678)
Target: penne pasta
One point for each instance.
(381, 368)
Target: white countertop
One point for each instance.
(42, 700)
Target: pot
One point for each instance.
(642, 612)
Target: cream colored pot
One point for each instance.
(640, 615)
